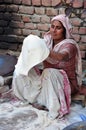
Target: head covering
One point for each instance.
(65, 22)
(34, 51)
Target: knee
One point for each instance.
(48, 72)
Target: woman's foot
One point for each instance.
(38, 106)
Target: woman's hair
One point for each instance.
(64, 30)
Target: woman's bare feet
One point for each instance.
(38, 106)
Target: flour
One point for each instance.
(15, 115)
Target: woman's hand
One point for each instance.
(47, 64)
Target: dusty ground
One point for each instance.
(15, 115)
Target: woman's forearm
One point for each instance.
(58, 56)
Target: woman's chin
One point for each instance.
(54, 37)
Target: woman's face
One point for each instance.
(57, 31)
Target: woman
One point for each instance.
(52, 85)
(64, 52)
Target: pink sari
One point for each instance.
(78, 62)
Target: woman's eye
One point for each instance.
(52, 26)
(56, 27)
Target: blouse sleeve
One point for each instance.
(69, 48)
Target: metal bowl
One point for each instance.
(76, 126)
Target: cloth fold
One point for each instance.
(34, 51)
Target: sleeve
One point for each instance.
(69, 48)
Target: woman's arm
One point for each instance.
(59, 56)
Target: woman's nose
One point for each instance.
(54, 29)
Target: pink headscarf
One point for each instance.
(65, 22)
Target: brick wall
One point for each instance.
(19, 18)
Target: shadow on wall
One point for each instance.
(10, 25)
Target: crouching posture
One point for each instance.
(48, 70)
